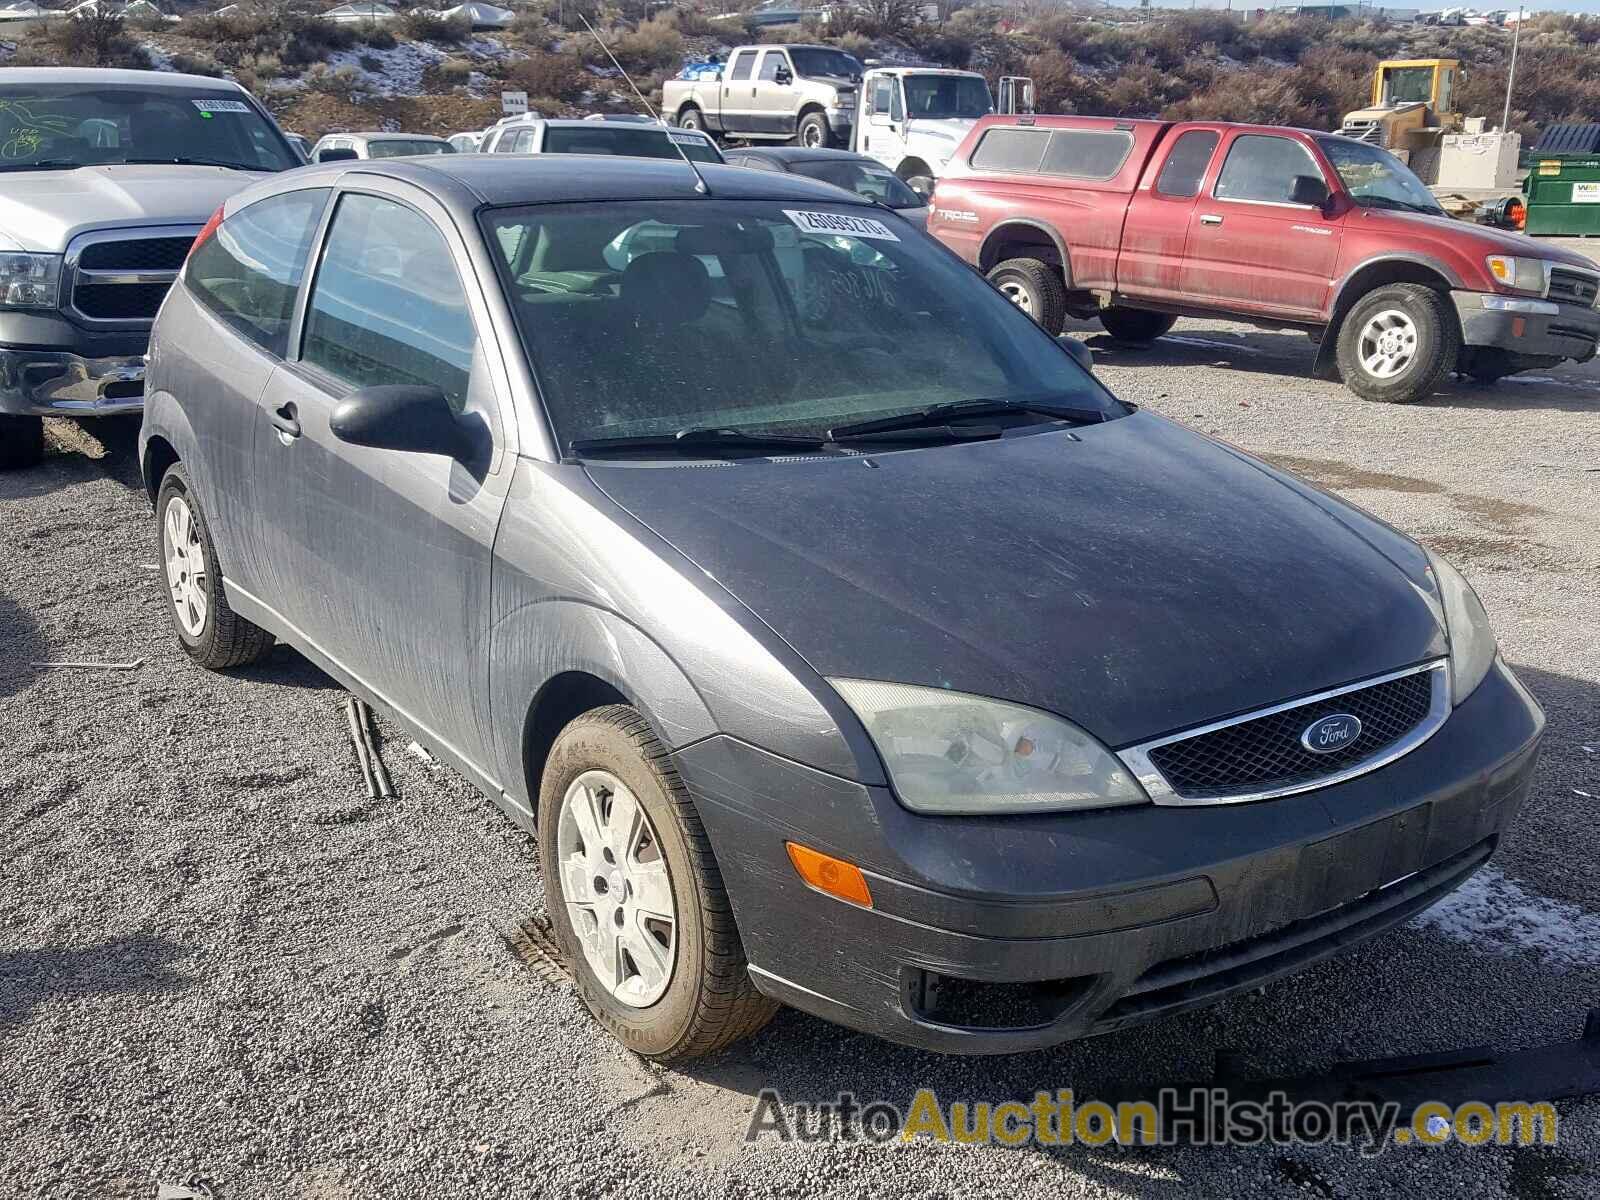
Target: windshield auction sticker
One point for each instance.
(216, 106)
(827, 222)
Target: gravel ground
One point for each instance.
(220, 963)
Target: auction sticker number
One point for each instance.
(838, 223)
(216, 106)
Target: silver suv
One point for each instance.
(107, 178)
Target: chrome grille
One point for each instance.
(1260, 754)
(121, 276)
(1569, 286)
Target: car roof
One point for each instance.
(794, 154)
(393, 137)
(115, 77)
(469, 181)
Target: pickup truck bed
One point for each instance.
(1139, 222)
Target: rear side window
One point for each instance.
(1186, 165)
(249, 270)
(1263, 167)
(1008, 148)
(742, 62)
(387, 306)
(1086, 153)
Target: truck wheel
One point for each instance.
(21, 442)
(690, 118)
(212, 633)
(635, 896)
(814, 133)
(1135, 326)
(1396, 342)
(1035, 288)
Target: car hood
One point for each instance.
(43, 210)
(940, 129)
(1489, 239)
(1134, 577)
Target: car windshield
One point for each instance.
(71, 125)
(1377, 179)
(810, 61)
(645, 318)
(602, 137)
(866, 179)
(402, 148)
(936, 97)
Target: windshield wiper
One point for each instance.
(182, 161)
(694, 440)
(1398, 205)
(942, 414)
(46, 164)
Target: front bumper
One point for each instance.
(993, 935)
(1549, 330)
(56, 383)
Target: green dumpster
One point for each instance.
(1563, 184)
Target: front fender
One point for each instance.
(534, 644)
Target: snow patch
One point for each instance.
(1496, 914)
(400, 68)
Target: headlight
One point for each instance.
(1472, 645)
(29, 280)
(948, 752)
(1524, 274)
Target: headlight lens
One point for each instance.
(1524, 274)
(1472, 647)
(29, 280)
(948, 753)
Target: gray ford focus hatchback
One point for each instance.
(844, 642)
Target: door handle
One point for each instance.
(284, 420)
(1210, 219)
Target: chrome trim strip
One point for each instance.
(71, 274)
(1137, 758)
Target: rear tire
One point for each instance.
(690, 118)
(606, 766)
(1035, 288)
(814, 133)
(21, 442)
(211, 633)
(1135, 326)
(1396, 342)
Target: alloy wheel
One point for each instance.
(1018, 295)
(186, 566)
(1388, 343)
(617, 890)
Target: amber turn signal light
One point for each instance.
(838, 878)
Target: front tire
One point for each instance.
(1396, 342)
(1135, 326)
(635, 896)
(1035, 288)
(814, 132)
(21, 442)
(211, 633)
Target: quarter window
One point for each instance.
(249, 271)
(1186, 166)
(1263, 167)
(387, 306)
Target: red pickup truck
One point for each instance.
(1140, 222)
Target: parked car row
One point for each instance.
(940, 694)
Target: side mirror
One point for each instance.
(399, 417)
(783, 75)
(1308, 189)
(1080, 353)
(336, 154)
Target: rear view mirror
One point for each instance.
(336, 154)
(1308, 189)
(399, 417)
(1080, 353)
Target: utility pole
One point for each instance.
(1511, 75)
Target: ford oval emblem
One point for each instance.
(1337, 731)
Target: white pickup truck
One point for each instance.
(767, 93)
(105, 178)
(913, 118)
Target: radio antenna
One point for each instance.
(699, 179)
